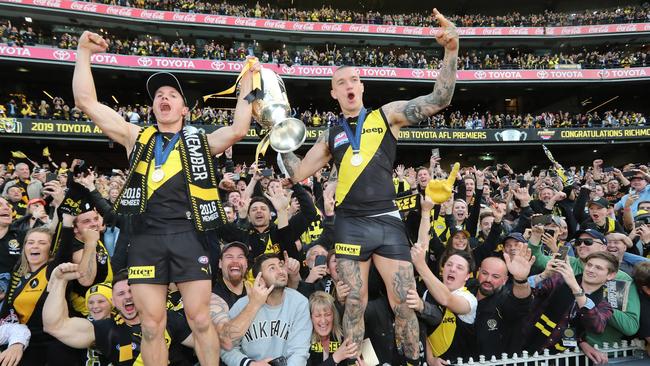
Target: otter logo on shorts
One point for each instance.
(142, 272)
(347, 249)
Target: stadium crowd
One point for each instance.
(19, 106)
(520, 58)
(621, 14)
(478, 247)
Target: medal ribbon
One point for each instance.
(161, 155)
(355, 139)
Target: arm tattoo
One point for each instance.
(218, 309)
(334, 175)
(291, 162)
(419, 109)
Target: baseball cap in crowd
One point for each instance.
(36, 200)
(642, 218)
(238, 244)
(517, 236)
(593, 233)
(160, 79)
(602, 202)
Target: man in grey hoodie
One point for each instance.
(281, 330)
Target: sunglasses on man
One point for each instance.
(587, 242)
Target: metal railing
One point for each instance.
(623, 353)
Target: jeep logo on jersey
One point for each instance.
(373, 130)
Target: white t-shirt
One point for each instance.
(473, 304)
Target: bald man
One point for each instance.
(501, 308)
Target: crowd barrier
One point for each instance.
(625, 353)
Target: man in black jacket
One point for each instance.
(501, 309)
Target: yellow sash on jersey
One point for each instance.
(370, 142)
(25, 301)
(441, 338)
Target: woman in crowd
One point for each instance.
(327, 347)
(26, 296)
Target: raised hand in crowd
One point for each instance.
(523, 196)
(258, 292)
(519, 265)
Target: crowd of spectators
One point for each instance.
(520, 58)
(618, 15)
(20, 106)
(601, 214)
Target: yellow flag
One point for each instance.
(46, 152)
(18, 155)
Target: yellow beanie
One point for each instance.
(104, 289)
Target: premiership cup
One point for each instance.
(511, 135)
(272, 112)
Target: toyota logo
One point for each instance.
(542, 74)
(61, 55)
(603, 73)
(480, 75)
(218, 65)
(144, 61)
(288, 69)
(417, 73)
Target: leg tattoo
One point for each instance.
(355, 303)
(407, 331)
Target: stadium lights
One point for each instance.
(115, 99)
(28, 19)
(48, 95)
(22, 69)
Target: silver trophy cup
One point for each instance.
(273, 112)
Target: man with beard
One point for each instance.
(233, 265)
(500, 309)
(281, 329)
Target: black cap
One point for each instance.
(593, 233)
(602, 202)
(517, 236)
(160, 79)
(239, 244)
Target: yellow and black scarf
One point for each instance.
(198, 168)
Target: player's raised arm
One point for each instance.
(404, 113)
(85, 95)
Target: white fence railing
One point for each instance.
(623, 353)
